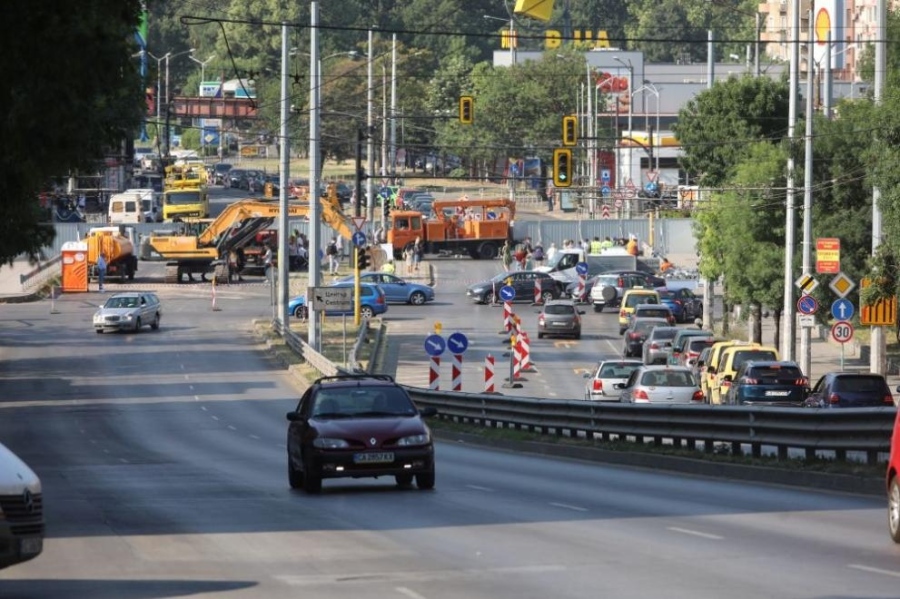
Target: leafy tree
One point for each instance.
(64, 107)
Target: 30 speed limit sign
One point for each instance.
(842, 331)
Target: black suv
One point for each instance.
(358, 426)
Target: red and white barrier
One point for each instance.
(434, 374)
(489, 374)
(215, 308)
(525, 344)
(517, 358)
(456, 372)
(507, 316)
(579, 291)
(538, 296)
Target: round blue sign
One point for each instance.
(807, 304)
(581, 268)
(507, 293)
(435, 345)
(842, 309)
(651, 187)
(359, 239)
(457, 343)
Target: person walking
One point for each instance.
(551, 253)
(418, 252)
(332, 253)
(506, 256)
(101, 271)
(538, 254)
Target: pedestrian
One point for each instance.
(418, 251)
(551, 253)
(538, 254)
(331, 252)
(408, 257)
(339, 244)
(101, 271)
(529, 261)
(506, 256)
(632, 246)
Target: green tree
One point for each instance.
(65, 108)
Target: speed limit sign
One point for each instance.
(842, 331)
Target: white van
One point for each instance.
(562, 266)
(22, 505)
(127, 208)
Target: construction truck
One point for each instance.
(117, 245)
(478, 228)
(185, 193)
(235, 228)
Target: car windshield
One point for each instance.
(667, 378)
(181, 198)
(617, 371)
(749, 354)
(636, 299)
(121, 302)
(559, 309)
(356, 402)
(664, 333)
(860, 384)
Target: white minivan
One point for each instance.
(127, 208)
(22, 509)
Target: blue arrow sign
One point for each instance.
(651, 187)
(807, 304)
(605, 175)
(359, 239)
(435, 345)
(507, 293)
(842, 309)
(458, 343)
(605, 191)
(581, 268)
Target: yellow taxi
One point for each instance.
(731, 360)
(634, 297)
(712, 363)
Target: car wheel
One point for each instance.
(312, 481)
(403, 480)
(295, 477)
(578, 335)
(367, 312)
(489, 298)
(598, 308)
(425, 480)
(137, 325)
(417, 298)
(300, 312)
(547, 296)
(894, 509)
(155, 324)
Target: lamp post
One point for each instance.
(627, 64)
(203, 64)
(512, 36)
(169, 56)
(158, 82)
(649, 87)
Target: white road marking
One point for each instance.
(232, 428)
(123, 460)
(196, 398)
(695, 533)
(478, 488)
(893, 573)
(409, 593)
(254, 437)
(415, 576)
(216, 418)
(566, 506)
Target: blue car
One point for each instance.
(396, 290)
(371, 297)
(684, 304)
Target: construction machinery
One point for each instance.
(185, 193)
(117, 245)
(478, 228)
(235, 228)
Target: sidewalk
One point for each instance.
(12, 290)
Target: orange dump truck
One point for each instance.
(117, 244)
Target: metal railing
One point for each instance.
(42, 273)
(315, 359)
(816, 432)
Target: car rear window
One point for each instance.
(664, 333)
(860, 383)
(669, 295)
(698, 345)
(667, 378)
(653, 312)
(559, 309)
(635, 299)
(645, 326)
(746, 355)
(617, 371)
(775, 374)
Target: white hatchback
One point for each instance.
(601, 384)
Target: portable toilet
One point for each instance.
(74, 267)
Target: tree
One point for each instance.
(64, 108)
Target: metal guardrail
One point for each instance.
(361, 337)
(817, 432)
(41, 273)
(318, 361)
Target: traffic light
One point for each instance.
(569, 130)
(466, 110)
(362, 259)
(562, 167)
(150, 100)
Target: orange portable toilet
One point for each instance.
(74, 267)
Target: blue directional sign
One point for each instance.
(457, 343)
(359, 239)
(651, 187)
(507, 293)
(435, 345)
(605, 191)
(605, 175)
(807, 304)
(842, 309)
(581, 268)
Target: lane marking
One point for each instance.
(216, 418)
(566, 506)
(231, 427)
(479, 488)
(254, 437)
(196, 398)
(123, 460)
(893, 573)
(203, 408)
(696, 533)
(409, 593)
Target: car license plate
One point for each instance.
(31, 545)
(558, 324)
(777, 393)
(374, 458)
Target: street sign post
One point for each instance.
(807, 304)
(581, 268)
(435, 345)
(842, 309)
(358, 222)
(828, 255)
(458, 343)
(842, 332)
(338, 299)
(841, 285)
(359, 239)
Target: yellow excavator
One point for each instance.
(235, 227)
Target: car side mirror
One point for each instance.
(295, 417)
(428, 412)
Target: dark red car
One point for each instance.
(356, 426)
(893, 484)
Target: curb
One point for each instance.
(840, 483)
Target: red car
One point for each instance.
(893, 484)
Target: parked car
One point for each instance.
(396, 290)
(237, 178)
(559, 317)
(768, 383)
(358, 426)
(694, 349)
(637, 332)
(661, 385)
(371, 299)
(607, 289)
(609, 373)
(220, 173)
(686, 306)
(522, 281)
(850, 390)
(652, 281)
(130, 311)
(657, 343)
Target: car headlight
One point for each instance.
(330, 443)
(422, 439)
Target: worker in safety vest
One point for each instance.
(596, 247)
(606, 244)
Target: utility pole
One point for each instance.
(878, 347)
(285, 172)
(370, 123)
(805, 332)
(315, 210)
(787, 339)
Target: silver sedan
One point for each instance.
(128, 311)
(661, 385)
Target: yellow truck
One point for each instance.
(117, 245)
(184, 193)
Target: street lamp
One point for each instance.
(158, 81)
(203, 64)
(169, 56)
(627, 64)
(649, 87)
(512, 36)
